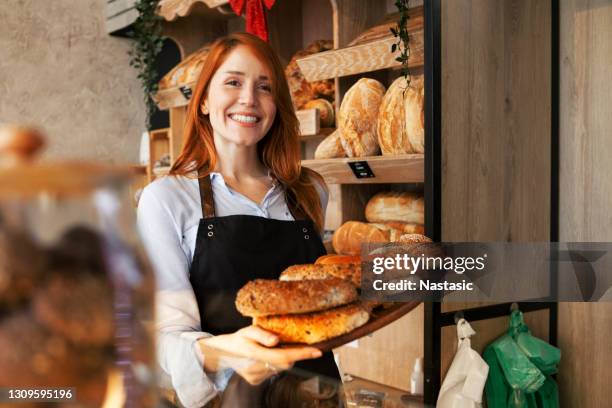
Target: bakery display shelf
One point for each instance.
(172, 9)
(323, 133)
(406, 168)
(358, 59)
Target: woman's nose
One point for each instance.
(248, 96)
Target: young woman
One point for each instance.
(237, 206)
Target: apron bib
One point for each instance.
(232, 250)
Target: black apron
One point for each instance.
(232, 250)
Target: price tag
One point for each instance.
(186, 91)
(361, 169)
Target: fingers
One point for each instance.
(260, 336)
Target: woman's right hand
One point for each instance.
(251, 352)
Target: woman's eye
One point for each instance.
(265, 87)
(233, 82)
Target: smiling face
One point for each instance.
(239, 102)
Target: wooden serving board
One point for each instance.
(379, 318)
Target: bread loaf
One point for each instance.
(301, 90)
(347, 239)
(334, 259)
(396, 206)
(358, 116)
(330, 147)
(263, 297)
(347, 272)
(312, 328)
(414, 112)
(401, 127)
(327, 118)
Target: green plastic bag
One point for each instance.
(543, 355)
(519, 369)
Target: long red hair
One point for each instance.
(279, 150)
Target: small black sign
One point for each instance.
(361, 169)
(186, 91)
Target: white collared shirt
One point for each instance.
(169, 213)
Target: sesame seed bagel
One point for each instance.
(347, 272)
(263, 297)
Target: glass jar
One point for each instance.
(76, 293)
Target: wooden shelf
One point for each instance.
(361, 58)
(406, 168)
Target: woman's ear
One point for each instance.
(204, 108)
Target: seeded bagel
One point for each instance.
(263, 297)
(347, 272)
(312, 328)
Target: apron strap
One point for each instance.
(206, 197)
(208, 203)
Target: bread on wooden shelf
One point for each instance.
(327, 117)
(301, 90)
(330, 147)
(358, 116)
(347, 239)
(383, 30)
(401, 127)
(187, 72)
(396, 206)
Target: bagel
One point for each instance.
(347, 272)
(263, 297)
(312, 328)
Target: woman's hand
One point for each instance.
(250, 353)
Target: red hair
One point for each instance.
(279, 150)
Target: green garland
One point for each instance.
(401, 33)
(147, 45)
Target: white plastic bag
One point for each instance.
(467, 375)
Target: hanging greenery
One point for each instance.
(146, 46)
(400, 32)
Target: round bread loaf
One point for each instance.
(396, 206)
(301, 90)
(263, 297)
(357, 118)
(347, 272)
(312, 328)
(401, 127)
(327, 117)
(330, 147)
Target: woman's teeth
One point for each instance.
(244, 118)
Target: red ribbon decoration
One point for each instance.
(255, 15)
